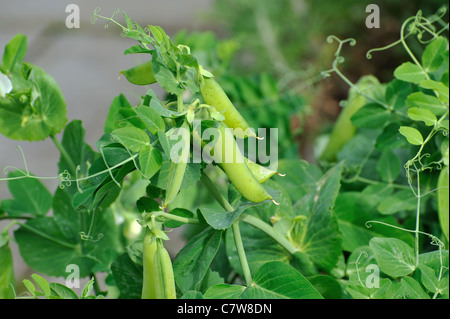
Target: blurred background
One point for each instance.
(268, 55)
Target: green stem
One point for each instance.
(64, 154)
(241, 252)
(181, 219)
(269, 230)
(216, 193)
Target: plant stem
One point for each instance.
(64, 154)
(258, 223)
(241, 252)
(216, 193)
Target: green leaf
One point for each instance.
(165, 77)
(432, 56)
(42, 284)
(121, 112)
(30, 197)
(388, 166)
(439, 87)
(390, 139)
(224, 291)
(425, 101)
(372, 115)
(403, 200)
(412, 135)
(413, 289)
(50, 244)
(410, 72)
(151, 118)
(35, 109)
(132, 138)
(150, 161)
(15, 52)
(318, 234)
(424, 115)
(277, 280)
(192, 262)
(395, 257)
(354, 209)
(60, 291)
(127, 276)
(141, 74)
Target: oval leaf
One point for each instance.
(131, 137)
(412, 135)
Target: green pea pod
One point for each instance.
(177, 169)
(163, 270)
(343, 130)
(260, 172)
(214, 95)
(7, 282)
(141, 74)
(149, 250)
(236, 168)
(443, 201)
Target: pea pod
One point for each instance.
(164, 278)
(236, 168)
(158, 279)
(7, 282)
(260, 172)
(443, 200)
(343, 129)
(214, 95)
(149, 250)
(141, 74)
(177, 169)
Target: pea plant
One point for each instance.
(255, 226)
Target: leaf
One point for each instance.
(127, 276)
(224, 291)
(354, 209)
(388, 166)
(432, 56)
(60, 291)
(410, 72)
(277, 280)
(121, 112)
(192, 262)
(424, 115)
(165, 77)
(35, 109)
(151, 118)
(412, 135)
(15, 52)
(318, 234)
(372, 115)
(150, 161)
(30, 196)
(439, 87)
(394, 256)
(413, 289)
(132, 138)
(425, 101)
(403, 200)
(49, 244)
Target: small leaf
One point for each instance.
(424, 115)
(426, 101)
(131, 137)
(439, 87)
(412, 135)
(394, 256)
(151, 118)
(410, 72)
(150, 160)
(371, 116)
(14, 53)
(432, 56)
(388, 167)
